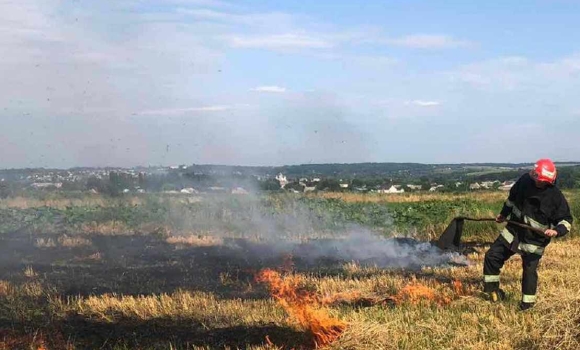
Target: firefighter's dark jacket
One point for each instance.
(541, 207)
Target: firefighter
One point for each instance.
(536, 201)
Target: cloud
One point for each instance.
(269, 88)
(77, 73)
(427, 41)
(422, 103)
(279, 42)
(516, 73)
(177, 111)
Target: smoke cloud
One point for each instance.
(290, 226)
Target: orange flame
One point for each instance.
(302, 305)
(458, 287)
(415, 292)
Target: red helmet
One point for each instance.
(544, 170)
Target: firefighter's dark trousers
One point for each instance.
(497, 255)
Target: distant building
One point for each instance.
(39, 185)
(239, 190)
(392, 189)
(488, 184)
(217, 189)
(506, 185)
(282, 180)
(435, 188)
(360, 189)
(189, 190)
(474, 186)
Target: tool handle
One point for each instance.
(535, 229)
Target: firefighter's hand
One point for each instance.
(551, 233)
(499, 218)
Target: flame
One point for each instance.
(416, 292)
(303, 306)
(458, 287)
(413, 293)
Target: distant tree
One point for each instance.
(269, 185)
(294, 185)
(5, 190)
(356, 182)
(425, 183)
(99, 185)
(168, 187)
(328, 184)
(72, 186)
(569, 177)
(142, 180)
(118, 182)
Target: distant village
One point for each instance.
(134, 180)
(309, 185)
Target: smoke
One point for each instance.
(367, 248)
(275, 226)
(361, 246)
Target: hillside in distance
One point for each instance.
(358, 170)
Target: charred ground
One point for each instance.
(65, 287)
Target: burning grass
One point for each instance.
(304, 306)
(131, 290)
(358, 308)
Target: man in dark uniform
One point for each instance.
(533, 200)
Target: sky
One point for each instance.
(146, 83)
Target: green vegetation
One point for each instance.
(238, 214)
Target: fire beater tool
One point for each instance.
(450, 239)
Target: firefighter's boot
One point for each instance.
(497, 295)
(493, 291)
(526, 306)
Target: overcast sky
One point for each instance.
(129, 82)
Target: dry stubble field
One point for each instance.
(94, 290)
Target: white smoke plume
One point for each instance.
(310, 235)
